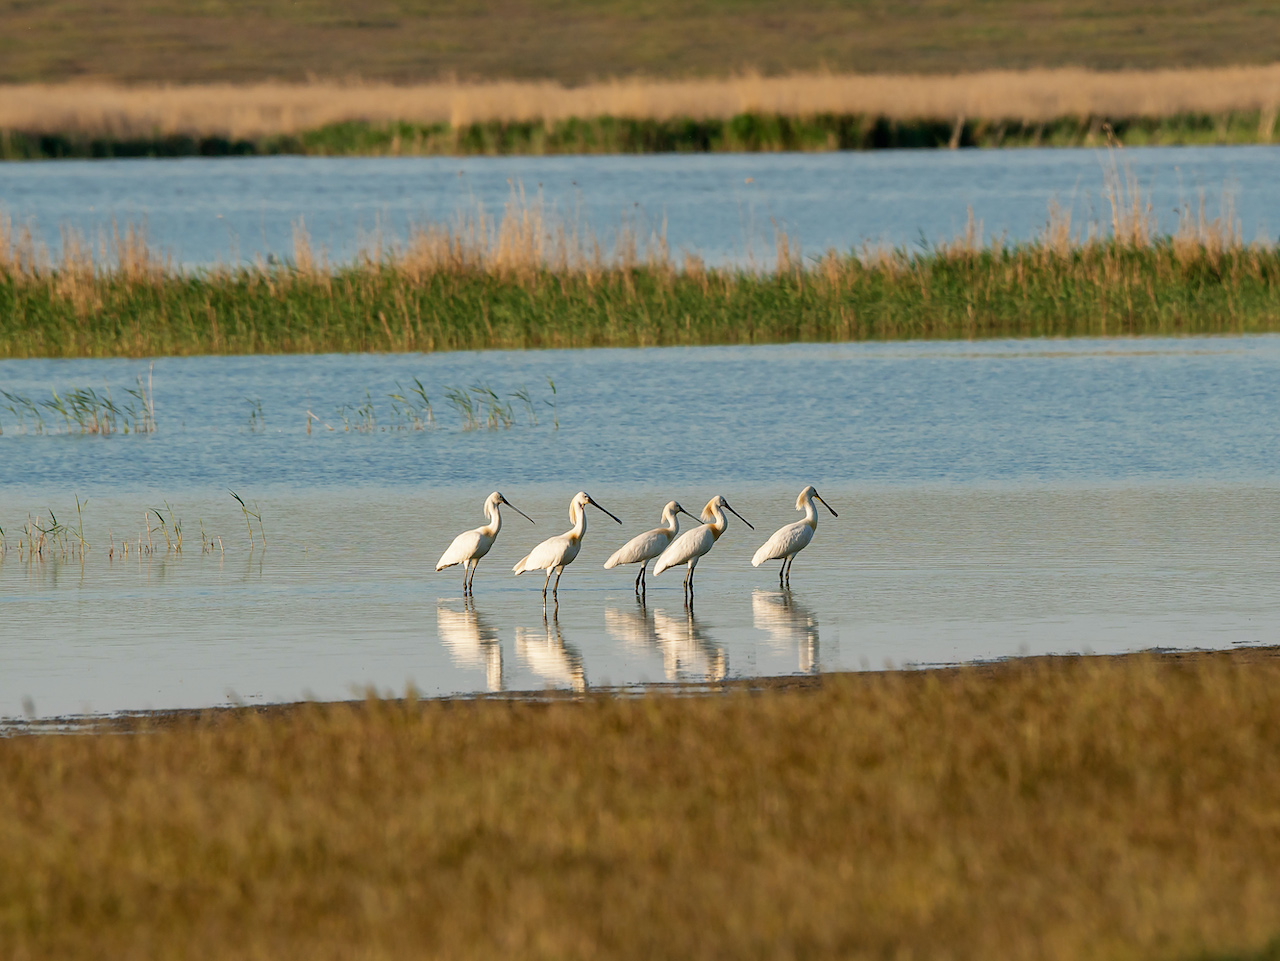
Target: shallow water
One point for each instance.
(995, 499)
(722, 206)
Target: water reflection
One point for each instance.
(472, 642)
(688, 654)
(547, 655)
(633, 626)
(789, 624)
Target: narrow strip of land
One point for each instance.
(1100, 290)
(1062, 107)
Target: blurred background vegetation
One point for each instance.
(574, 41)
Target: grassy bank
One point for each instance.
(519, 286)
(1108, 808)
(746, 132)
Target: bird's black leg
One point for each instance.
(555, 590)
(789, 563)
(544, 585)
(780, 572)
(639, 578)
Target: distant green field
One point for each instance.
(576, 40)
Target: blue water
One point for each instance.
(995, 499)
(1079, 411)
(725, 207)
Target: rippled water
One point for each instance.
(994, 498)
(724, 206)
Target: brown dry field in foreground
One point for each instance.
(1047, 808)
(271, 108)
(574, 41)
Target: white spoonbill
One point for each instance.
(693, 543)
(789, 541)
(469, 546)
(643, 548)
(555, 553)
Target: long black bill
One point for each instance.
(599, 508)
(826, 505)
(530, 519)
(740, 517)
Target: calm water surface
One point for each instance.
(723, 206)
(994, 499)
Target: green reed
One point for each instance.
(83, 411)
(459, 291)
(994, 295)
(745, 132)
(256, 514)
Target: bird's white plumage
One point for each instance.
(469, 545)
(647, 546)
(692, 544)
(788, 541)
(556, 552)
(643, 547)
(784, 542)
(552, 553)
(687, 548)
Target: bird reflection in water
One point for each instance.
(789, 624)
(548, 656)
(471, 641)
(688, 654)
(633, 626)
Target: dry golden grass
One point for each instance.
(1079, 808)
(263, 109)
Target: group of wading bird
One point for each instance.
(665, 543)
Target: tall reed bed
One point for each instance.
(526, 280)
(1050, 808)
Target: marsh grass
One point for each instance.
(529, 279)
(1049, 808)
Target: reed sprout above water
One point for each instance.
(478, 407)
(529, 279)
(40, 540)
(83, 411)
